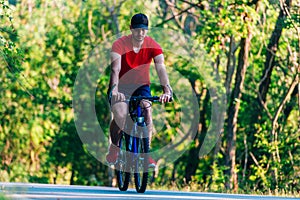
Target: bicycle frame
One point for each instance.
(137, 147)
(135, 112)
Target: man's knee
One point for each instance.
(147, 110)
(120, 111)
(146, 106)
(120, 115)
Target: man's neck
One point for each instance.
(137, 43)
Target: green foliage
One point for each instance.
(11, 54)
(227, 19)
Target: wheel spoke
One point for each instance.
(141, 170)
(123, 176)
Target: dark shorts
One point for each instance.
(131, 90)
(143, 90)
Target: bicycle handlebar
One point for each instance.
(139, 98)
(149, 98)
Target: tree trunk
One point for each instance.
(232, 183)
(113, 8)
(193, 155)
(275, 125)
(270, 55)
(72, 176)
(230, 66)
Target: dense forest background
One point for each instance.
(252, 48)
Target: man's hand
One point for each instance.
(118, 96)
(165, 98)
(167, 95)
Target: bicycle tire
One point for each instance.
(123, 175)
(141, 168)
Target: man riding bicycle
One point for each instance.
(131, 57)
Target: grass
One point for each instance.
(194, 187)
(3, 197)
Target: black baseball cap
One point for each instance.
(139, 21)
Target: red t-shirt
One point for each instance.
(135, 66)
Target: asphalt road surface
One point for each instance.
(59, 192)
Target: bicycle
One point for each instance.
(134, 148)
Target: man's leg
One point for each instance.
(147, 109)
(120, 111)
(115, 132)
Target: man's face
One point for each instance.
(139, 34)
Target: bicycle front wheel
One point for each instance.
(141, 168)
(123, 175)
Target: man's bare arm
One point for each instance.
(162, 73)
(163, 78)
(114, 77)
(115, 70)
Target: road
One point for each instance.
(59, 192)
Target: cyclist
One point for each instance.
(131, 56)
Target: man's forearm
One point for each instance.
(167, 89)
(114, 81)
(163, 78)
(115, 70)
(162, 74)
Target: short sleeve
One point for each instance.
(156, 52)
(156, 48)
(117, 47)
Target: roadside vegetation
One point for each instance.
(252, 53)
